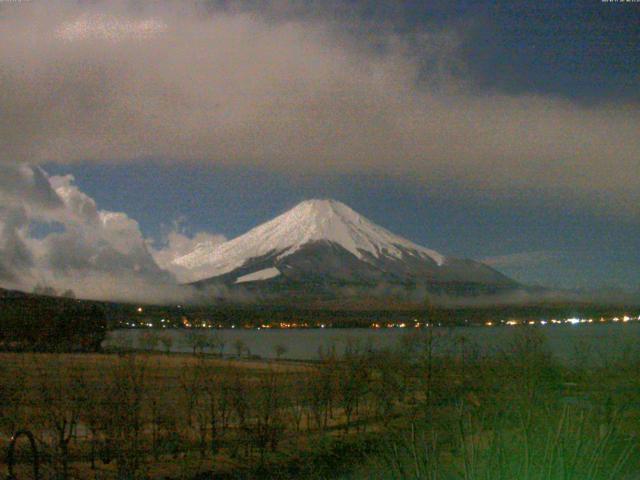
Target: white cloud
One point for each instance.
(29, 187)
(98, 254)
(177, 243)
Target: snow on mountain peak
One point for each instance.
(309, 221)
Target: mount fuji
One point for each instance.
(323, 246)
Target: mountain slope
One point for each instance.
(324, 242)
(312, 220)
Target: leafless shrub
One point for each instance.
(60, 400)
(126, 393)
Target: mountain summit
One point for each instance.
(309, 221)
(324, 242)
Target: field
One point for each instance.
(401, 413)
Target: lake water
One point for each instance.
(569, 343)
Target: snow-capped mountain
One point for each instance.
(326, 242)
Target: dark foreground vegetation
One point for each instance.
(44, 323)
(401, 414)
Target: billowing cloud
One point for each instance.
(177, 243)
(14, 253)
(117, 81)
(96, 253)
(29, 187)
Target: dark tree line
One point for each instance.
(50, 324)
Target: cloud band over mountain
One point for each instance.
(122, 81)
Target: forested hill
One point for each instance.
(47, 323)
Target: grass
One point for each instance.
(397, 414)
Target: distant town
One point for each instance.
(143, 320)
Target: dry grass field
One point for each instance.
(158, 415)
(398, 414)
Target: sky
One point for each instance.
(501, 131)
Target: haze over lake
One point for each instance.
(594, 343)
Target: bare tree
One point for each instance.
(239, 393)
(60, 404)
(92, 413)
(239, 347)
(68, 294)
(320, 391)
(385, 385)
(46, 290)
(352, 380)
(126, 392)
(167, 342)
(149, 340)
(268, 424)
(12, 395)
(297, 400)
(213, 394)
(164, 421)
(221, 343)
(279, 350)
(192, 382)
(197, 341)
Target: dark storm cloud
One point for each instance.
(294, 92)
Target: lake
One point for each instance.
(591, 343)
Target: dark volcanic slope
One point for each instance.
(326, 267)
